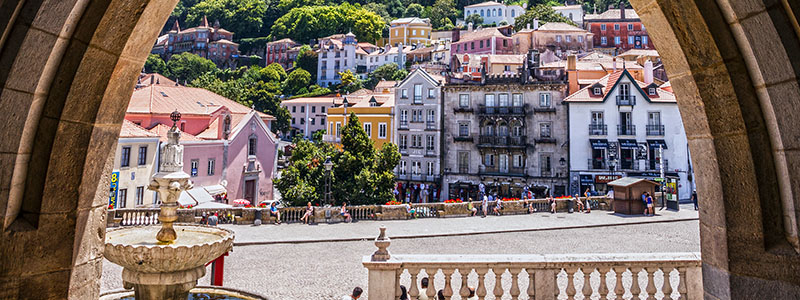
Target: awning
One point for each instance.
(216, 189)
(599, 143)
(627, 144)
(213, 205)
(655, 143)
(195, 196)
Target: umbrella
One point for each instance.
(242, 202)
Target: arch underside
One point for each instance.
(68, 67)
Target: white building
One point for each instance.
(493, 12)
(338, 53)
(387, 55)
(622, 127)
(135, 161)
(572, 12)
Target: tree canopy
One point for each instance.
(475, 19)
(310, 22)
(187, 66)
(154, 64)
(543, 13)
(297, 80)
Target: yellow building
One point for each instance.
(375, 111)
(410, 31)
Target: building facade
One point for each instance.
(554, 36)
(618, 30)
(505, 132)
(387, 55)
(572, 12)
(419, 119)
(495, 40)
(338, 53)
(135, 161)
(209, 42)
(620, 127)
(494, 13)
(375, 111)
(280, 52)
(407, 31)
(308, 114)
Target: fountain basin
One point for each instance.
(137, 249)
(202, 292)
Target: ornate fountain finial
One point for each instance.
(170, 181)
(382, 242)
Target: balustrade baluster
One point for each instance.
(530, 291)
(651, 285)
(635, 290)
(464, 291)
(619, 290)
(413, 289)
(448, 289)
(587, 286)
(498, 282)
(397, 291)
(603, 288)
(570, 283)
(682, 282)
(666, 288)
(481, 290)
(514, 292)
(431, 292)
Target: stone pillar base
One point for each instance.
(165, 286)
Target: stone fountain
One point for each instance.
(165, 262)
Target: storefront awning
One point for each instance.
(195, 196)
(655, 143)
(599, 143)
(627, 144)
(216, 189)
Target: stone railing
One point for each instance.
(540, 277)
(241, 215)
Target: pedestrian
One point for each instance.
(644, 202)
(355, 295)
(484, 205)
(274, 212)
(471, 208)
(423, 193)
(424, 284)
(410, 210)
(578, 202)
(204, 219)
(403, 293)
(213, 220)
(694, 198)
(498, 205)
(525, 194)
(345, 213)
(588, 194)
(650, 205)
(471, 293)
(552, 203)
(308, 214)
(440, 295)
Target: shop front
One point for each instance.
(670, 182)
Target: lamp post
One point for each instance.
(328, 166)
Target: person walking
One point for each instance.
(694, 198)
(355, 295)
(644, 202)
(484, 205)
(650, 205)
(213, 220)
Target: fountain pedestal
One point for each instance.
(166, 286)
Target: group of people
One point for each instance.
(356, 294)
(647, 200)
(216, 218)
(417, 193)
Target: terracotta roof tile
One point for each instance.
(161, 131)
(130, 129)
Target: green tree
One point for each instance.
(154, 64)
(187, 66)
(304, 178)
(310, 22)
(388, 71)
(297, 80)
(414, 10)
(475, 19)
(543, 13)
(349, 81)
(307, 60)
(443, 12)
(243, 17)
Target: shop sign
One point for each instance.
(112, 197)
(606, 178)
(586, 179)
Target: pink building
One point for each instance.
(213, 43)
(228, 148)
(494, 40)
(280, 52)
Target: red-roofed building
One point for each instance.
(278, 52)
(228, 147)
(213, 43)
(618, 127)
(617, 29)
(494, 40)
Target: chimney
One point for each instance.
(456, 35)
(614, 64)
(648, 72)
(622, 11)
(535, 24)
(572, 74)
(151, 79)
(528, 25)
(469, 27)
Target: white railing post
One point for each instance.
(383, 271)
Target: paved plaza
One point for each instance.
(295, 261)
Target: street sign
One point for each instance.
(112, 196)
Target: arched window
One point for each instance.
(570, 16)
(502, 130)
(482, 13)
(494, 13)
(516, 129)
(488, 129)
(499, 12)
(513, 13)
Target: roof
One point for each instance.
(422, 50)
(612, 14)
(481, 34)
(328, 99)
(610, 81)
(160, 130)
(131, 130)
(487, 3)
(435, 80)
(223, 41)
(157, 79)
(640, 52)
(628, 181)
(559, 26)
(366, 45)
(385, 84)
(281, 41)
(411, 20)
(563, 7)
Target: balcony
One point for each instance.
(330, 138)
(544, 109)
(655, 130)
(597, 164)
(496, 171)
(458, 138)
(598, 129)
(417, 99)
(626, 100)
(463, 109)
(404, 150)
(502, 141)
(430, 152)
(655, 164)
(419, 120)
(626, 129)
(503, 110)
(403, 124)
(545, 140)
(430, 125)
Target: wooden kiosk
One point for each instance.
(628, 194)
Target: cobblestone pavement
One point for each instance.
(328, 270)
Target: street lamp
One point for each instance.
(328, 166)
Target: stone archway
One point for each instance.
(67, 68)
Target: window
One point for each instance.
(422, 32)
(429, 142)
(293, 121)
(404, 115)
(251, 146)
(463, 162)
(463, 129)
(488, 160)
(651, 91)
(194, 167)
(558, 39)
(630, 27)
(418, 93)
(597, 91)
(544, 164)
(322, 109)
(368, 129)
(481, 44)
(518, 161)
(414, 32)
(123, 198)
(597, 117)
(415, 167)
(544, 130)
(294, 108)
(402, 167)
(644, 40)
(616, 26)
(516, 100)
(544, 100)
(489, 100)
(338, 129)
(302, 121)
(430, 168)
(125, 158)
(463, 100)
(603, 40)
(630, 40)
(142, 159)
(482, 15)
(503, 100)
(654, 118)
(302, 109)
(500, 12)
(313, 109)
(403, 141)
(211, 165)
(603, 27)
(431, 116)
(312, 120)
(431, 93)
(617, 40)
(404, 94)
(580, 39)
(381, 130)
(397, 32)
(568, 38)
(139, 195)
(642, 25)
(472, 45)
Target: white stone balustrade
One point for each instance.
(540, 277)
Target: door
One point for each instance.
(504, 163)
(250, 191)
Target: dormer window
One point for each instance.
(597, 91)
(651, 91)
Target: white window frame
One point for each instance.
(382, 130)
(598, 91)
(368, 129)
(545, 100)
